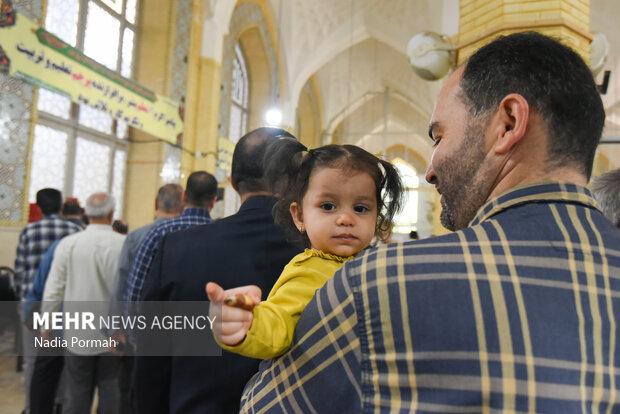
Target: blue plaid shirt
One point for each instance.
(150, 244)
(34, 240)
(516, 313)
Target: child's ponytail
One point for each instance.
(391, 197)
(283, 160)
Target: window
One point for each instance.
(77, 149)
(239, 97)
(407, 219)
(238, 124)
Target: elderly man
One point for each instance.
(606, 190)
(245, 248)
(83, 270)
(513, 312)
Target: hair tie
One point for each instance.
(382, 169)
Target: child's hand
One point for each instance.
(235, 321)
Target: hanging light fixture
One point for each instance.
(273, 116)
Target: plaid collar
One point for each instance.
(545, 192)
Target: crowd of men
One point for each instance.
(515, 310)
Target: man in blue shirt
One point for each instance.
(516, 310)
(200, 196)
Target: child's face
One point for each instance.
(339, 211)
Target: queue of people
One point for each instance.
(515, 310)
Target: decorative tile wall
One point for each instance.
(178, 85)
(15, 114)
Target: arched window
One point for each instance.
(407, 219)
(77, 149)
(239, 102)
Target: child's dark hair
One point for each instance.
(289, 165)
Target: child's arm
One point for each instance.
(274, 320)
(267, 330)
(235, 321)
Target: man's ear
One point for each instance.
(298, 216)
(511, 122)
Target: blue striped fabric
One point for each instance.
(516, 313)
(150, 244)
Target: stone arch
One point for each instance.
(249, 28)
(309, 115)
(410, 156)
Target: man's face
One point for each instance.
(457, 167)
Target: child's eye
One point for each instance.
(360, 209)
(327, 206)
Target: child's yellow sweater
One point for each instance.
(275, 319)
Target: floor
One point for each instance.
(11, 382)
(11, 387)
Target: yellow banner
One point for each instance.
(38, 57)
(225, 149)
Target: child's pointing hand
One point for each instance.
(236, 304)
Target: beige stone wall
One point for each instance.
(155, 69)
(9, 237)
(483, 20)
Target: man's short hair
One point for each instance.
(71, 208)
(247, 170)
(99, 205)
(553, 79)
(170, 198)
(49, 201)
(606, 190)
(201, 189)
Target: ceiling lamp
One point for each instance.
(431, 55)
(273, 117)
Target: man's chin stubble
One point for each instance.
(447, 218)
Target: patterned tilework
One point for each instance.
(15, 103)
(15, 107)
(178, 85)
(244, 15)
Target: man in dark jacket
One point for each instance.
(243, 249)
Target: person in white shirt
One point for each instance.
(83, 271)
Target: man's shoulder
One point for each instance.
(210, 234)
(69, 240)
(48, 222)
(155, 230)
(138, 234)
(198, 233)
(214, 226)
(172, 224)
(431, 251)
